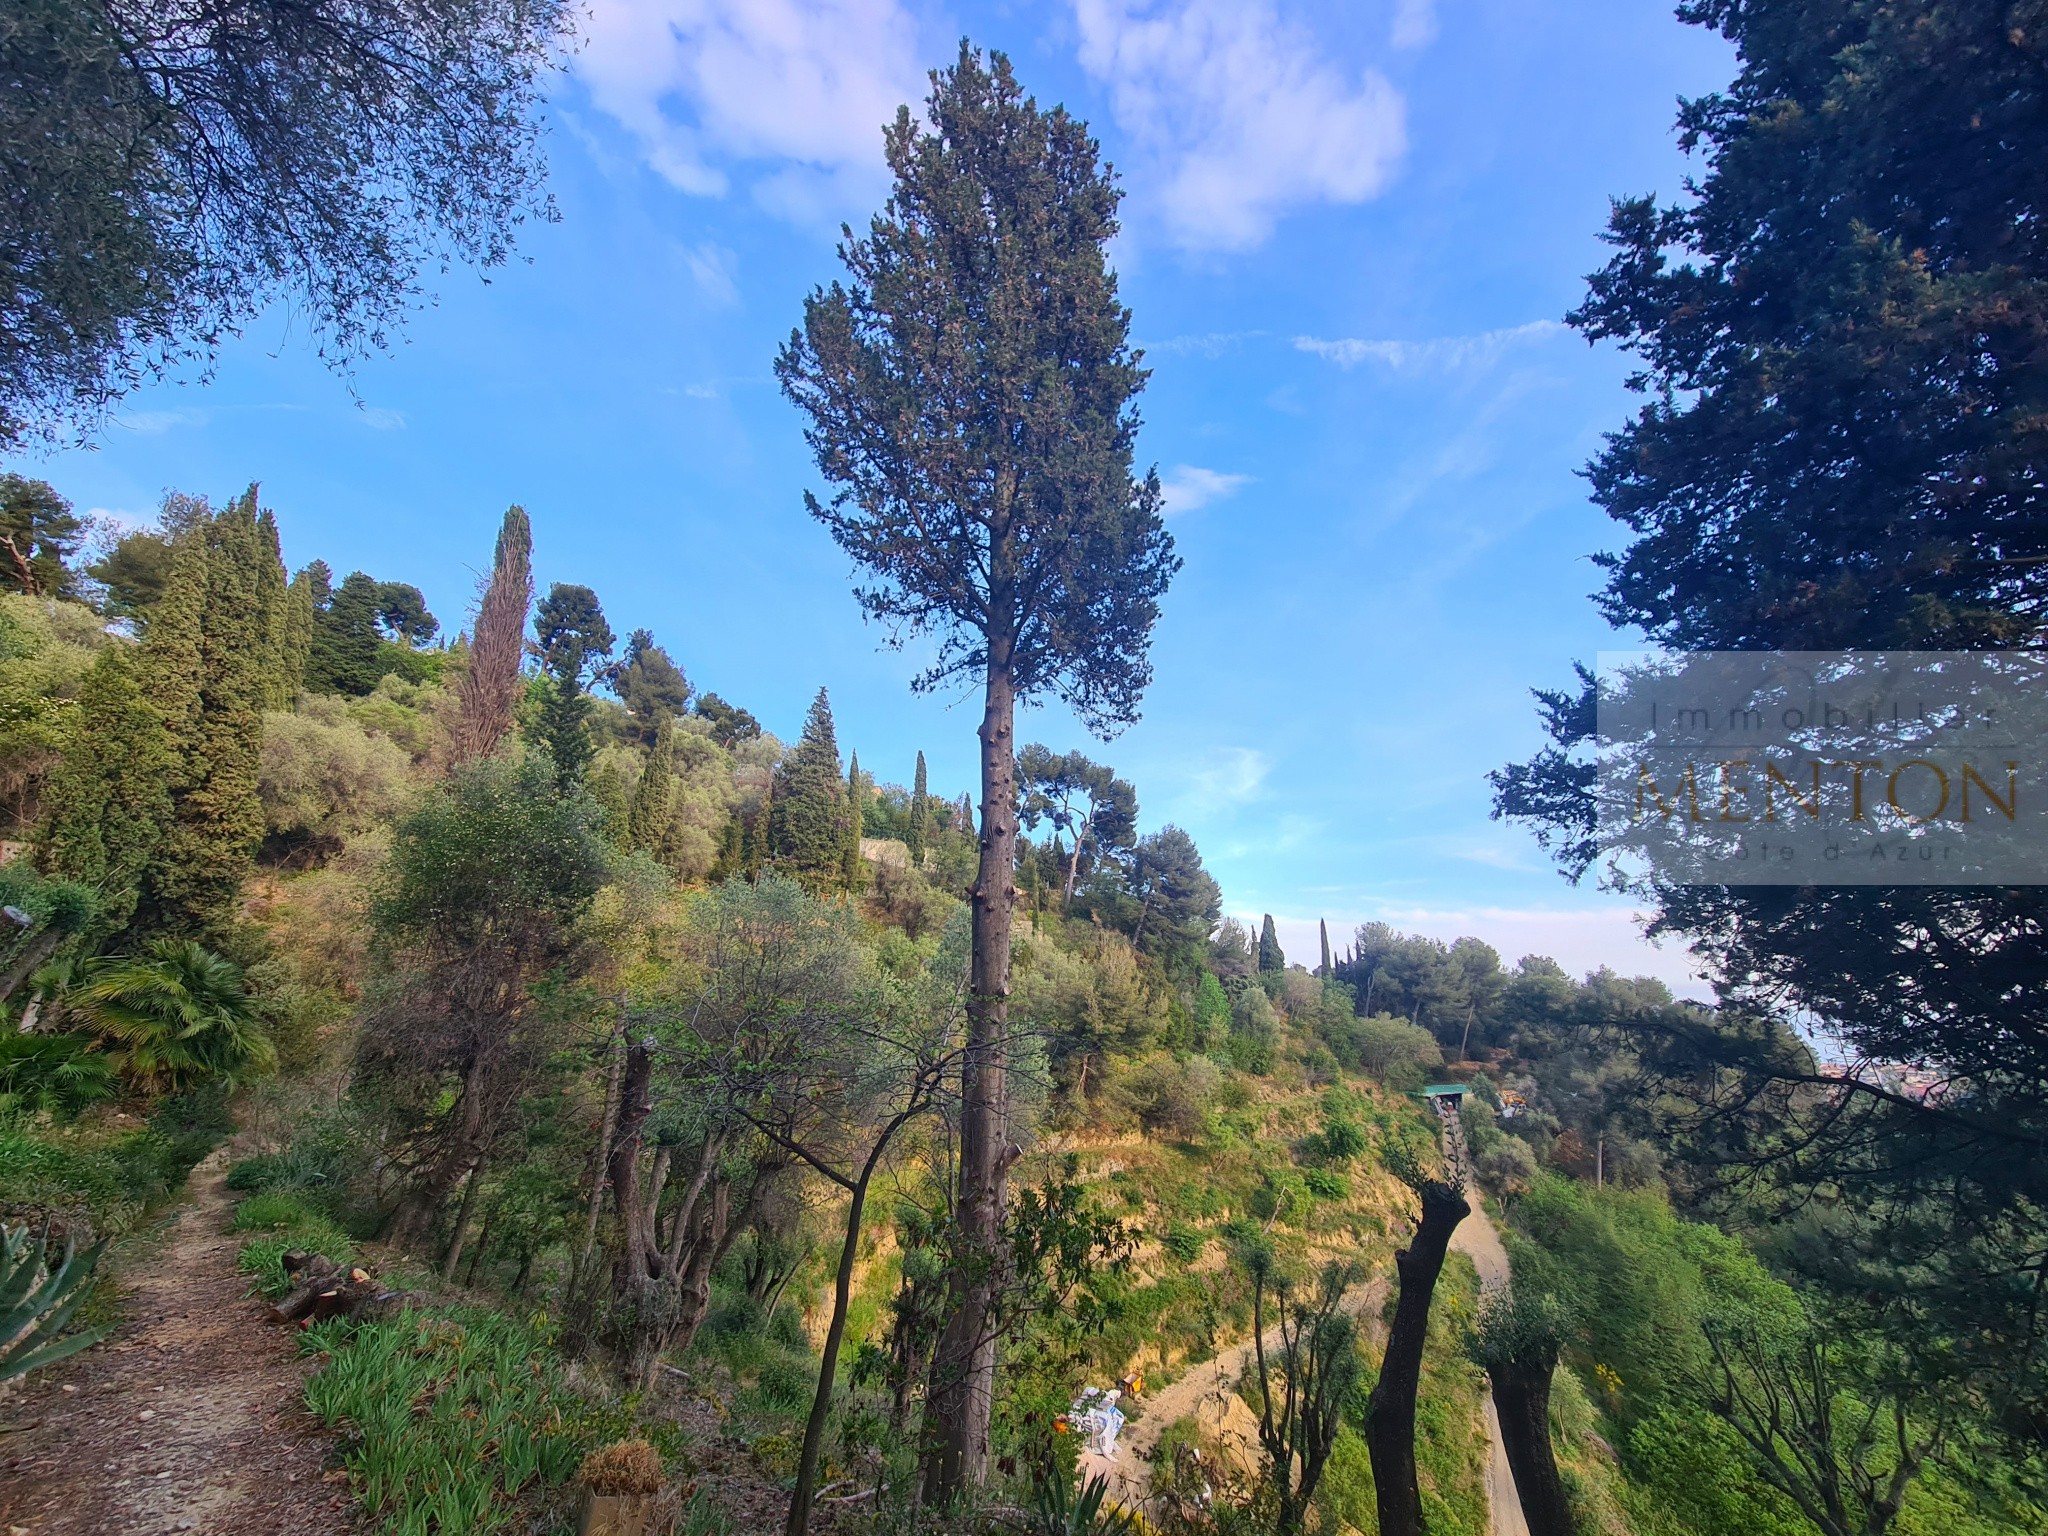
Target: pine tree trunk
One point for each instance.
(1521, 1396)
(962, 1387)
(1390, 1413)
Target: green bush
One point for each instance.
(1183, 1242)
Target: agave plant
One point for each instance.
(37, 1301)
(174, 1016)
(1060, 1511)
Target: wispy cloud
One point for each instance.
(380, 418)
(1438, 354)
(1188, 487)
(1220, 779)
(1414, 23)
(712, 268)
(150, 423)
(1243, 112)
(1208, 344)
(798, 89)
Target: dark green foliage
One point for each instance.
(1839, 327)
(730, 724)
(107, 805)
(1087, 805)
(203, 668)
(38, 534)
(810, 817)
(1178, 899)
(484, 857)
(650, 685)
(918, 835)
(57, 1075)
(1001, 213)
(647, 822)
(573, 642)
(134, 572)
(1270, 956)
(172, 172)
(361, 630)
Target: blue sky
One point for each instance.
(1350, 234)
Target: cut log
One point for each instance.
(325, 1290)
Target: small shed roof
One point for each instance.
(1446, 1090)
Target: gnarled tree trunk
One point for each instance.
(1390, 1414)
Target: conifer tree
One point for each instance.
(490, 686)
(1270, 956)
(295, 639)
(1325, 970)
(920, 816)
(647, 826)
(107, 804)
(808, 811)
(203, 668)
(970, 393)
(574, 642)
(273, 614)
(850, 865)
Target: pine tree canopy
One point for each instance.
(38, 533)
(1014, 521)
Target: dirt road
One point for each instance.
(1477, 1239)
(185, 1420)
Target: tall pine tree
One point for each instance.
(807, 817)
(971, 396)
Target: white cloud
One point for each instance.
(711, 268)
(706, 84)
(1439, 354)
(1221, 779)
(1414, 23)
(1244, 112)
(1188, 487)
(380, 418)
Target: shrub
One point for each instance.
(1325, 1185)
(1183, 1242)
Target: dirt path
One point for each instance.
(1209, 1392)
(185, 1420)
(1477, 1239)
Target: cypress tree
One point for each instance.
(107, 804)
(1270, 956)
(850, 870)
(647, 827)
(273, 614)
(920, 816)
(203, 668)
(295, 641)
(1325, 927)
(807, 816)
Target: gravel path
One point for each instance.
(187, 1419)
